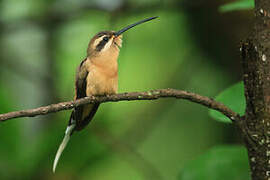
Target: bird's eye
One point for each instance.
(106, 39)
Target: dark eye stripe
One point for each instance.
(106, 39)
(102, 43)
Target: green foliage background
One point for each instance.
(191, 46)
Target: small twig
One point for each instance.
(148, 95)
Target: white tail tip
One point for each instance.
(63, 145)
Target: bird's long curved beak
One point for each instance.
(133, 25)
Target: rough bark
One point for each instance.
(255, 125)
(148, 95)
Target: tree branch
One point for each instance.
(147, 95)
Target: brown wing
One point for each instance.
(82, 114)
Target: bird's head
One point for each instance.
(104, 41)
(109, 41)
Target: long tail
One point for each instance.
(84, 115)
(62, 146)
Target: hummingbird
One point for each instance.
(96, 75)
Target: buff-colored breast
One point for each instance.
(102, 78)
(100, 83)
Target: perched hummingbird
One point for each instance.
(97, 74)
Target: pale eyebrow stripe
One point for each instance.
(97, 41)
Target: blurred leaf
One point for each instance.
(238, 5)
(222, 163)
(7, 101)
(15, 10)
(234, 98)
